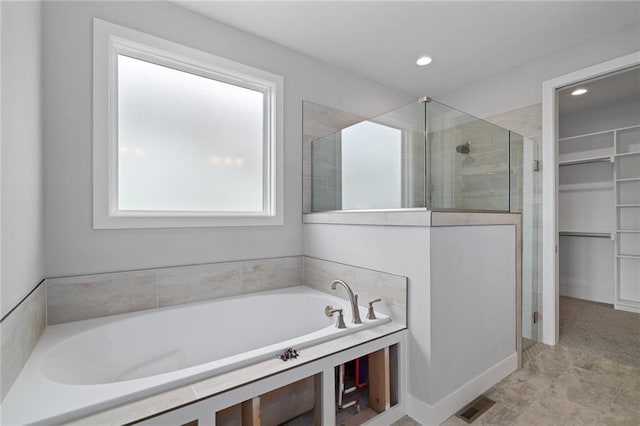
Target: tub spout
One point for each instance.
(353, 298)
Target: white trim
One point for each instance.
(402, 217)
(550, 301)
(627, 306)
(109, 40)
(603, 132)
(1, 115)
(447, 406)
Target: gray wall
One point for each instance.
(473, 270)
(512, 98)
(624, 113)
(461, 293)
(521, 86)
(72, 246)
(22, 205)
(400, 250)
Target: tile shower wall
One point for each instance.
(90, 296)
(322, 159)
(527, 122)
(477, 180)
(367, 283)
(319, 121)
(20, 331)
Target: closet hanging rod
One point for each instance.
(601, 159)
(585, 234)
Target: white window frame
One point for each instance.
(111, 40)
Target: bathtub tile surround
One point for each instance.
(74, 372)
(62, 300)
(92, 296)
(270, 274)
(367, 283)
(20, 332)
(199, 282)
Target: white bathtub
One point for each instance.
(82, 367)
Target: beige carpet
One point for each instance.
(599, 330)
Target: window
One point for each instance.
(182, 137)
(371, 167)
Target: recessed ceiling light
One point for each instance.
(579, 92)
(424, 60)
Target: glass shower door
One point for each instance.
(525, 198)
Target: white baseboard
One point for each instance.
(629, 307)
(594, 294)
(432, 415)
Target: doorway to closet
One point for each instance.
(599, 214)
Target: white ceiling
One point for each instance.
(613, 88)
(382, 40)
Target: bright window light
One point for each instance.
(181, 137)
(371, 167)
(186, 142)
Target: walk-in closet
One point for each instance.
(599, 190)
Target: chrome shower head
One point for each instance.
(464, 148)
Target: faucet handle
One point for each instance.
(329, 311)
(371, 315)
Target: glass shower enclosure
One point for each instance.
(429, 156)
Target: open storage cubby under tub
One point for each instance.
(308, 399)
(366, 386)
(300, 402)
(297, 403)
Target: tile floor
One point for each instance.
(592, 377)
(559, 386)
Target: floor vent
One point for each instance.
(475, 408)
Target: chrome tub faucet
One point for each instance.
(353, 298)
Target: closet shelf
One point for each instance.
(626, 154)
(613, 185)
(587, 160)
(585, 135)
(603, 132)
(584, 234)
(628, 256)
